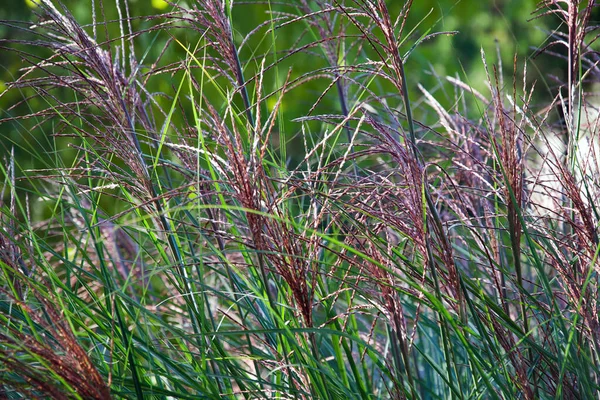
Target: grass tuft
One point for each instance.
(186, 227)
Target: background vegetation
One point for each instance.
(495, 26)
(355, 199)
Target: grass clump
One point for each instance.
(204, 240)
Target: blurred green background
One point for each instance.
(479, 24)
(500, 26)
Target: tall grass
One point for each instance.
(408, 251)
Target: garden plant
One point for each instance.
(220, 225)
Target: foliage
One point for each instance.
(418, 243)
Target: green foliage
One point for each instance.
(273, 200)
